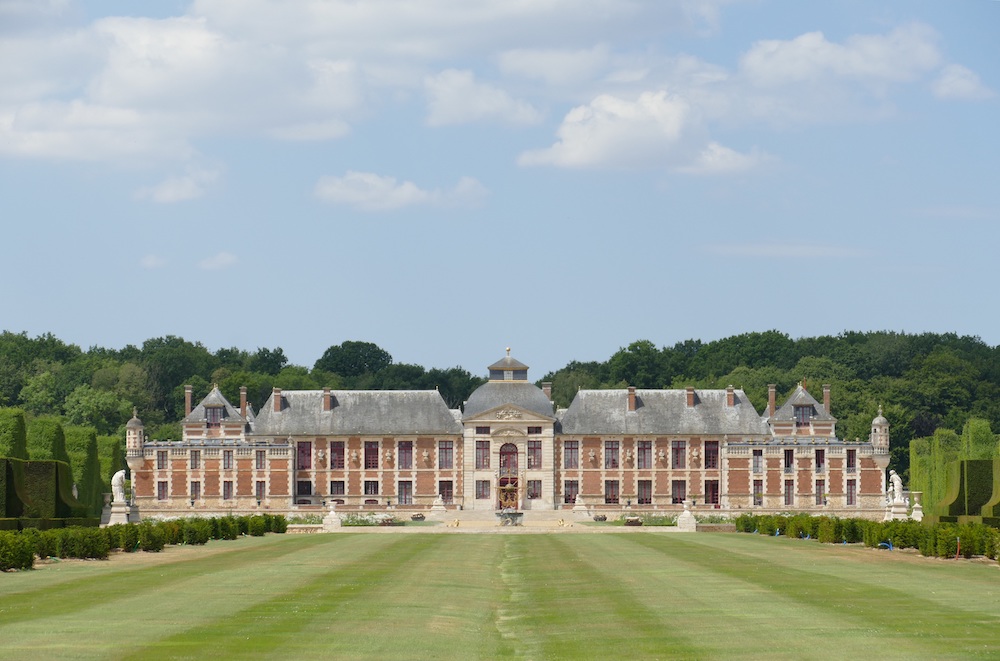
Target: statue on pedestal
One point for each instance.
(118, 487)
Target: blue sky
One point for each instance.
(447, 178)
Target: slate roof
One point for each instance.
(801, 397)
(358, 413)
(495, 394)
(214, 399)
(508, 363)
(663, 412)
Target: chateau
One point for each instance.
(509, 447)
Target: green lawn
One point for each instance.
(533, 596)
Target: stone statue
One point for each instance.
(118, 487)
(897, 487)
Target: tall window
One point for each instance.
(852, 492)
(534, 489)
(789, 492)
(758, 461)
(446, 457)
(644, 454)
(260, 459)
(213, 416)
(405, 492)
(304, 455)
(678, 451)
(611, 455)
(789, 461)
(483, 455)
(821, 492)
(446, 489)
(405, 459)
(371, 454)
(571, 488)
(758, 493)
(645, 492)
(337, 488)
(196, 490)
(161, 459)
(161, 490)
(571, 454)
(711, 454)
(336, 454)
(802, 415)
(610, 492)
(820, 460)
(711, 492)
(678, 491)
(227, 490)
(852, 461)
(260, 489)
(482, 431)
(534, 454)
(227, 459)
(195, 459)
(482, 489)
(371, 487)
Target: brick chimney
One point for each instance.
(826, 397)
(243, 401)
(771, 394)
(690, 397)
(547, 389)
(730, 397)
(631, 398)
(187, 400)
(327, 400)
(276, 395)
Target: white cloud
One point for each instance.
(957, 82)
(368, 191)
(717, 159)
(177, 189)
(556, 66)
(454, 97)
(152, 262)
(222, 260)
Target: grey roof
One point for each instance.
(135, 422)
(357, 412)
(214, 399)
(508, 363)
(661, 412)
(801, 397)
(522, 394)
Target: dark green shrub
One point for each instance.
(84, 543)
(8, 524)
(244, 523)
(16, 551)
(13, 435)
(197, 531)
(229, 528)
(279, 523)
(257, 526)
(124, 536)
(151, 537)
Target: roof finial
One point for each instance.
(508, 352)
(135, 412)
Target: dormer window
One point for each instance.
(803, 415)
(213, 416)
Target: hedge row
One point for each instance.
(942, 540)
(18, 549)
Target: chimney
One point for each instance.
(327, 400)
(631, 398)
(771, 393)
(826, 397)
(276, 394)
(243, 401)
(547, 389)
(187, 400)
(690, 397)
(730, 396)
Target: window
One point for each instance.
(196, 490)
(711, 492)
(611, 455)
(161, 490)
(371, 454)
(405, 492)
(820, 460)
(534, 489)
(303, 488)
(446, 458)
(789, 492)
(195, 459)
(852, 461)
(371, 487)
(446, 490)
(571, 454)
(802, 416)
(482, 455)
(711, 454)
(260, 489)
(482, 431)
(678, 491)
(534, 454)
(227, 459)
(303, 455)
(852, 489)
(482, 489)
(644, 454)
(336, 454)
(789, 461)
(161, 459)
(645, 492)
(758, 493)
(227, 490)
(821, 492)
(758, 461)
(571, 488)
(405, 452)
(534, 430)
(260, 460)
(337, 488)
(678, 451)
(610, 492)
(213, 416)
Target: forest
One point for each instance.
(924, 382)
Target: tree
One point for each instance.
(639, 365)
(352, 358)
(101, 409)
(267, 361)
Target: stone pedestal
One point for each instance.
(918, 509)
(119, 513)
(686, 521)
(898, 511)
(580, 508)
(332, 520)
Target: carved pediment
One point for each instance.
(508, 432)
(509, 413)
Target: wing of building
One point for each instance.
(509, 447)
